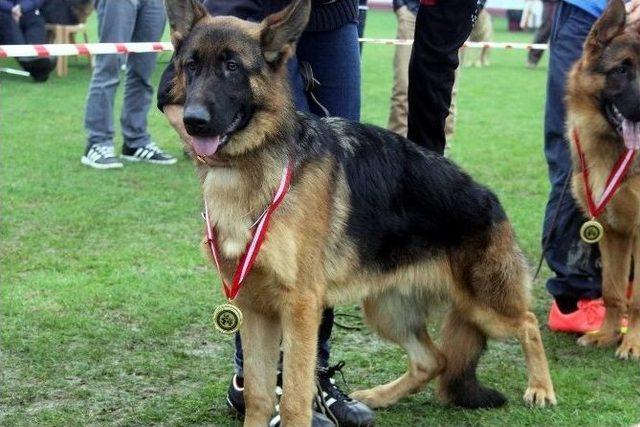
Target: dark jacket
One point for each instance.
(25, 5)
(326, 15)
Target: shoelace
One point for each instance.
(591, 309)
(153, 147)
(329, 373)
(104, 150)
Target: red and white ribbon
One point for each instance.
(46, 50)
(253, 247)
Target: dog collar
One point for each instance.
(227, 317)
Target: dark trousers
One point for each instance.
(334, 57)
(29, 30)
(544, 32)
(441, 29)
(575, 263)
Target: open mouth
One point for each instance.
(207, 146)
(629, 130)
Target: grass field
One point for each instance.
(106, 299)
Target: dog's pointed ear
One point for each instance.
(610, 24)
(281, 30)
(183, 15)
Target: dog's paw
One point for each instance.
(369, 397)
(540, 396)
(598, 339)
(629, 349)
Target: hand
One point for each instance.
(633, 11)
(16, 13)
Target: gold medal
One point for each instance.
(591, 231)
(227, 318)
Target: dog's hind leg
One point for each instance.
(261, 342)
(463, 343)
(491, 300)
(402, 319)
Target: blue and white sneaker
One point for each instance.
(101, 156)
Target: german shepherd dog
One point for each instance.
(369, 216)
(603, 104)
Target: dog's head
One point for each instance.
(231, 75)
(611, 64)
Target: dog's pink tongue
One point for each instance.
(206, 146)
(631, 134)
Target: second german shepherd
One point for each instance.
(370, 216)
(603, 111)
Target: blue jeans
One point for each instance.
(334, 57)
(575, 263)
(123, 21)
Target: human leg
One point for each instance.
(574, 262)
(138, 92)
(441, 29)
(399, 104)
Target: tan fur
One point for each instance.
(308, 261)
(602, 146)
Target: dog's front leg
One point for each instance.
(300, 321)
(260, 343)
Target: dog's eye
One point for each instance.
(621, 69)
(191, 66)
(231, 65)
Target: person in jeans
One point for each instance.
(123, 21)
(543, 33)
(576, 285)
(329, 48)
(21, 23)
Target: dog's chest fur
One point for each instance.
(232, 214)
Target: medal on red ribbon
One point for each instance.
(592, 230)
(227, 318)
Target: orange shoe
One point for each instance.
(587, 318)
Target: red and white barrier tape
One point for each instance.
(45, 50)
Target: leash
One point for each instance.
(592, 231)
(552, 226)
(227, 317)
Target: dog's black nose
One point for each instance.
(196, 116)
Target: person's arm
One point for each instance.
(171, 107)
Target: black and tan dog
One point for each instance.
(370, 216)
(603, 111)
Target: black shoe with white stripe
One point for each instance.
(150, 153)
(235, 397)
(347, 412)
(100, 156)
(318, 417)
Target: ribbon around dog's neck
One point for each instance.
(614, 180)
(253, 247)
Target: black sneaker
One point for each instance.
(235, 397)
(318, 418)
(101, 156)
(347, 412)
(235, 402)
(150, 153)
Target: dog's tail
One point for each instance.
(463, 344)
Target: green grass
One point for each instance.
(106, 298)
